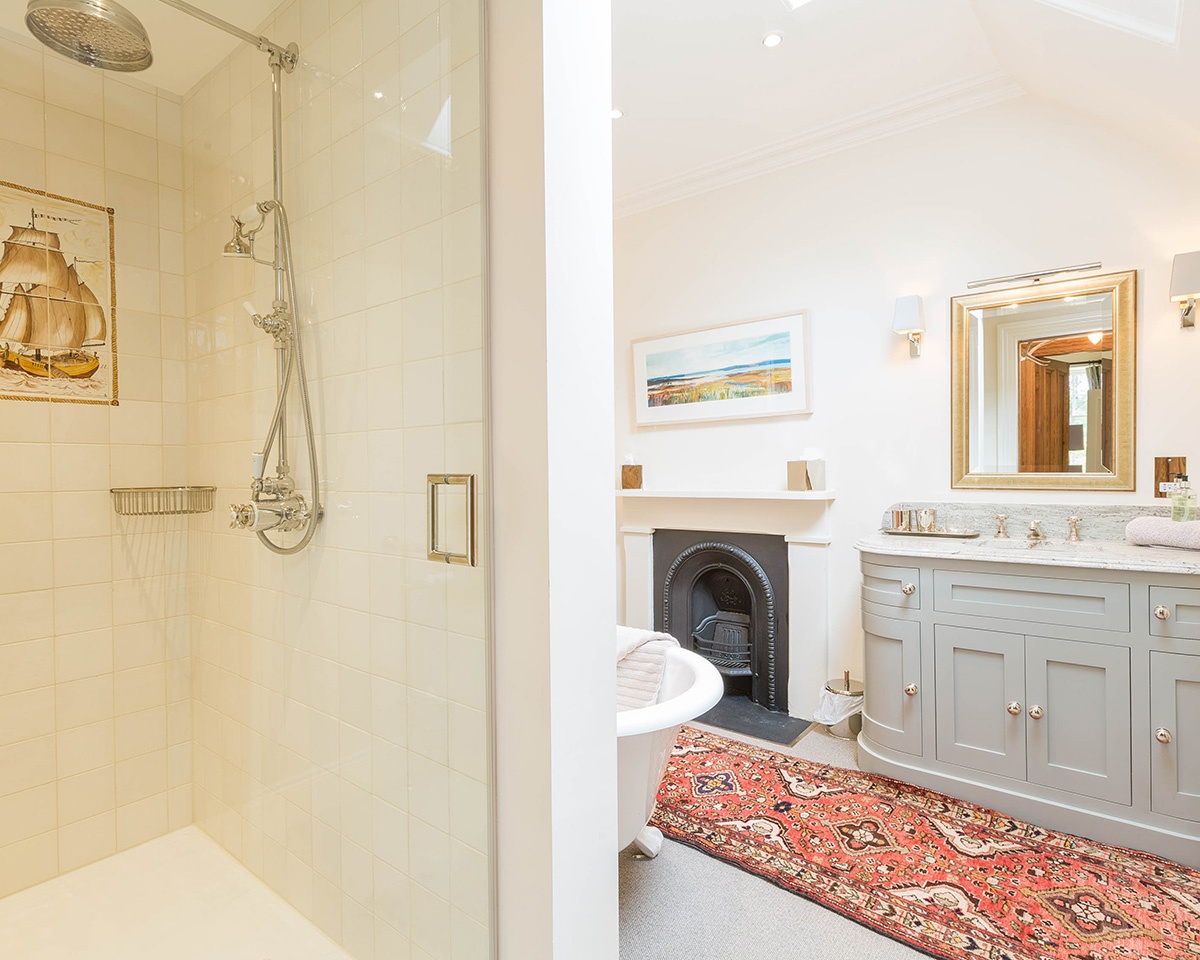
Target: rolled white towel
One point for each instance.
(1164, 532)
(641, 660)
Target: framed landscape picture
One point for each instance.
(755, 369)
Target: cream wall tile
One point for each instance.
(141, 821)
(27, 468)
(141, 777)
(27, 764)
(26, 715)
(28, 813)
(24, 120)
(28, 862)
(26, 165)
(27, 517)
(130, 107)
(71, 134)
(86, 795)
(26, 666)
(81, 702)
(85, 748)
(87, 841)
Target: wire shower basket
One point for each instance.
(162, 501)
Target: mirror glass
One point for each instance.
(1043, 385)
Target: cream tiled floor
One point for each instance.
(179, 897)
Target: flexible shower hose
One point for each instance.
(295, 356)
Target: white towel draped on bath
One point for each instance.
(1163, 532)
(641, 659)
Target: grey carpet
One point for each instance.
(685, 905)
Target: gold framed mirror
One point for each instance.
(1043, 385)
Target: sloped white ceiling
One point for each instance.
(1146, 89)
(706, 103)
(185, 49)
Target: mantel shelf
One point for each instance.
(817, 495)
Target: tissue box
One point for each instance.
(806, 474)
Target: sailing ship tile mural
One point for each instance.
(57, 299)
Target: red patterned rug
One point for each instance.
(944, 876)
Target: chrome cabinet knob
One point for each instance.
(1162, 613)
(908, 589)
(910, 690)
(1014, 708)
(1162, 735)
(1036, 712)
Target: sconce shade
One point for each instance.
(1185, 277)
(910, 315)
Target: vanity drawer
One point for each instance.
(893, 586)
(1175, 612)
(1091, 604)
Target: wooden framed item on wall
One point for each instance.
(759, 368)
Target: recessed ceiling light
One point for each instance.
(617, 114)
(772, 40)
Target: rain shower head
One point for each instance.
(100, 33)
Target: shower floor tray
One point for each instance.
(180, 896)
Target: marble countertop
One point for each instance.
(1093, 554)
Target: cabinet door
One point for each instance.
(1175, 708)
(1081, 741)
(892, 695)
(978, 675)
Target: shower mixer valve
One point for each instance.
(287, 513)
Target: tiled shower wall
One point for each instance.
(340, 695)
(95, 725)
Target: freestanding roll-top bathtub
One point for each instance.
(691, 686)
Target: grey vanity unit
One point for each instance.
(1056, 682)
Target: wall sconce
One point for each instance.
(910, 322)
(1185, 286)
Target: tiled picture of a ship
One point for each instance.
(57, 299)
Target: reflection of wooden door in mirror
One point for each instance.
(1106, 437)
(1042, 436)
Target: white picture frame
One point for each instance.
(755, 368)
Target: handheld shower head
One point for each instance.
(245, 225)
(100, 33)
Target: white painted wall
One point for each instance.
(924, 212)
(549, 165)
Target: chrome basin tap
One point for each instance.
(1035, 530)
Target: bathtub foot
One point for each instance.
(649, 842)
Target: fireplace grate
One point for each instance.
(724, 638)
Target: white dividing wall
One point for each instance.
(921, 213)
(550, 272)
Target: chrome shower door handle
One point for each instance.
(438, 490)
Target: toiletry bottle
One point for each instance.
(1183, 503)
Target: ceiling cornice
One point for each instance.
(932, 106)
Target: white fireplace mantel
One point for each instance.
(801, 520)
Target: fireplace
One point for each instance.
(725, 595)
